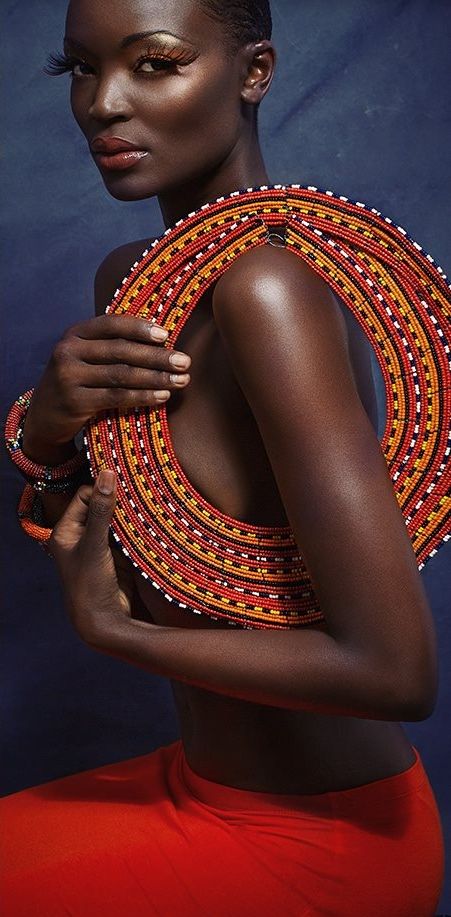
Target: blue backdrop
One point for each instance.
(359, 106)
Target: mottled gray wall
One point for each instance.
(360, 105)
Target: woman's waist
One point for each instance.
(380, 798)
(267, 749)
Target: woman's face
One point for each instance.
(174, 94)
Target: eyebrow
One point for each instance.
(138, 36)
(129, 39)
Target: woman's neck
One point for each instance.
(244, 169)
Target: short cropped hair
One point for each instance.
(245, 21)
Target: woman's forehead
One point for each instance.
(112, 20)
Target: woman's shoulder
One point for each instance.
(268, 282)
(271, 286)
(266, 271)
(114, 267)
(269, 259)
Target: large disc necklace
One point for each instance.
(201, 558)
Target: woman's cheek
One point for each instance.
(191, 115)
(192, 98)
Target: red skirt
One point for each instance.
(150, 838)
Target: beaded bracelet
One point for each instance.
(31, 517)
(63, 478)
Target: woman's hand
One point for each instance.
(106, 362)
(79, 544)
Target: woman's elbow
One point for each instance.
(416, 696)
(410, 674)
(418, 705)
(400, 691)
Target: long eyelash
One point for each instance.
(58, 63)
(163, 54)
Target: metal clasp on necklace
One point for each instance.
(276, 239)
(272, 237)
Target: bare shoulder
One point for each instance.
(269, 285)
(270, 263)
(112, 270)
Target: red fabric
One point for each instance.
(150, 837)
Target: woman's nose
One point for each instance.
(110, 99)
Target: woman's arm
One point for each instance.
(106, 362)
(378, 658)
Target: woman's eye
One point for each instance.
(77, 68)
(151, 64)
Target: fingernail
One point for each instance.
(159, 334)
(179, 380)
(105, 481)
(162, 396)
(179, 360)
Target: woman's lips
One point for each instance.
(116, 153)
(124, 159)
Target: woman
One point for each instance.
(294, 789)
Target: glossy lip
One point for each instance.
(117, 162)
(111, 145)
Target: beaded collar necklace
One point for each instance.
(200, 558)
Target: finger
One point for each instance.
(123, 326)
(108, 399)
(100, 511)
(77, 510)
(119, 375)
(119, 350)
(70, 527)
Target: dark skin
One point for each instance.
(304, 710)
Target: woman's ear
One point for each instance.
(259, 62)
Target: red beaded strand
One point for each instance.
(201, 558)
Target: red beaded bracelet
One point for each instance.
(52, 478)
(31, 519)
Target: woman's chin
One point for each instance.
(127, 191)
(123, 185)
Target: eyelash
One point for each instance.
(60, 62)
